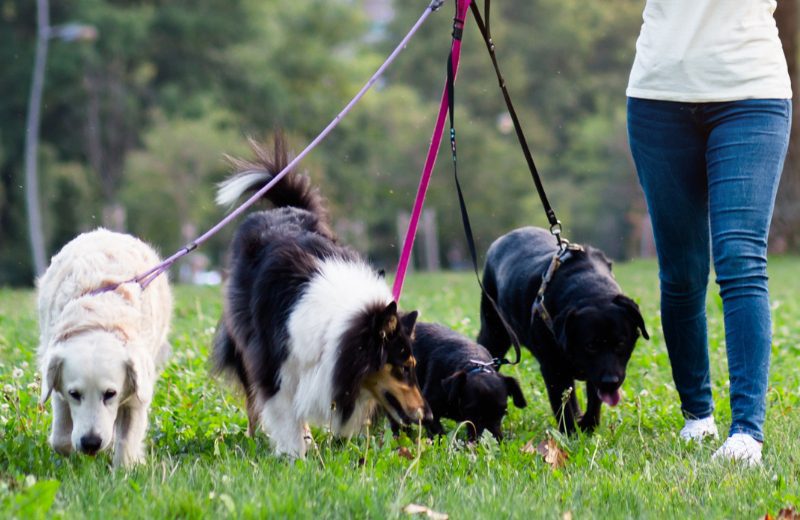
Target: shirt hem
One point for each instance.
(660, 95)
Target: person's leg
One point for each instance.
(668, 146)
(746, 148)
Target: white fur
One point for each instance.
(231, 189)
(316, 324)
(97, 344)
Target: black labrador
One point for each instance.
(582, 328)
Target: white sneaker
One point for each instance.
(699, 429)
(740, 447)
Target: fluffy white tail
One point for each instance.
(231, 189)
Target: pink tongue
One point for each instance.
(611, 399)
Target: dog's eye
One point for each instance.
(109, 394)
(75, 395)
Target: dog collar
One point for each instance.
(481, 366)
(563, 254)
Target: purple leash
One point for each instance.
(148, 276)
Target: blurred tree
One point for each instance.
(786, 223)
(172, 179)
(566, 63)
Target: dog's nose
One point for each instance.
(610, 379)
(90, 443)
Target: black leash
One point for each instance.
(458, 29)
(555, 224)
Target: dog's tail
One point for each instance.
(293, 190)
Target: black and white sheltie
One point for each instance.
(309, 329)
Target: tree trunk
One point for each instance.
(786, 220)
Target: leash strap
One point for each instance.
(555, 224)
(538, 308)
(458, 29)
(148, 276)
(430, 161)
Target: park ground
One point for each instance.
(201, 464)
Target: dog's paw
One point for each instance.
(588, 423)
(128, 458)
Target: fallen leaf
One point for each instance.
(416, 509)
(567, 515)
(552, 453)
(528, 448)
(788, 513)
(405, 453)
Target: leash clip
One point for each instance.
(435, 5)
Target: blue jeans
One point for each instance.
(710, 173)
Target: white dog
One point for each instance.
(99, 353)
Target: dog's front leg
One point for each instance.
(591, 419)
(561, 393)
(129, 431)
(286, 432)
(61, 430)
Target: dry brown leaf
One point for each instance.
(405, 453)
(552, 453)
(528, 448)
(567, 515)
(788, 513)
(417, 509)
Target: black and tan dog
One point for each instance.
(459, 382)
(581, 326)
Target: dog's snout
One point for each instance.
(610, 379)
(90, 443)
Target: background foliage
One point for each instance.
(136, 124)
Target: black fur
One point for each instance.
(456, 387)
(273, 255)
(595, 325)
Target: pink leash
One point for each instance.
(148, 276)
(430, 161)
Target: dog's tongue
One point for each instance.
(611, 399)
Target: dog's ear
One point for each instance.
(139, 378)
(386, 322)
(51, 376)
(512, 386)
(453, 385)
(633, 310)
(409, 321)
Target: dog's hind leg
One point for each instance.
(130, 429)
(253, 412)
(61, 431)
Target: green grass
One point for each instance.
(202, 465)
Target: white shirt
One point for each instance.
(709, 50)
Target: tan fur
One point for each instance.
(101, 338)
